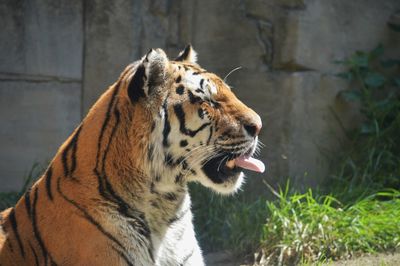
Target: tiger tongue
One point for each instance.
(250, 163)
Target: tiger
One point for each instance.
(116, 192)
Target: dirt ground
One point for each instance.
(371, 260)
(382, 259)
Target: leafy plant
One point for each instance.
(373, 161)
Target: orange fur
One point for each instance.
(77, 212)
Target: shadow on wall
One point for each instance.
(57, 58)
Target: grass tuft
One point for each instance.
(304, 227)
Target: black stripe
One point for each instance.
(72, 145)
(96, 170)
(93, 221)
(180, 160)
(180, 114)
(152, 189)
(14, 226)
(121, 254)
(28, 203)
(104, 186)
(167, 126)
(155, 204)
(187, 257)
(185, 165)
(136, 85)
(64, 160)
(179, 178)
(34, 254)
(193, 98)
(201, 83)
(113, 131)
(106, 120)
(184, 55)
(48, 182)
(200, 112)
(168, 159)
(183, 143)
(209, 137)
(180, 217)
(150, 152)
(102, 131)
(215, 104)
(180, 89)
(36, 232)
(199, 72)
(107, 191)
(170, 196)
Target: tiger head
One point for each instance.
(198, 130)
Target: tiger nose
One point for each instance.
(253, 126)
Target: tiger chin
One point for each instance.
(116, 191)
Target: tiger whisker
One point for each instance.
(219, 165)
(230, 72)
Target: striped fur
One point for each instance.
(116, 191)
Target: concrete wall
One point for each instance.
(41, 54)
(57, 57)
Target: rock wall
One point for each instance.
(57, 57)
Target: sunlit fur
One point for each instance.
(116, 191)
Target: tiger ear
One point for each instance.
(150, 74)
(187, 55)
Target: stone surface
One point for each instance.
(226, 38)
(36, 118)
(41, 38)
(119, 32)
(112, 41)
(315, 133)
(326, 31)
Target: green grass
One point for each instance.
(297, 227)
(304, 227)
(227, 222)
(8, 199)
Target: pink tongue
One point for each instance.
(250, 163)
